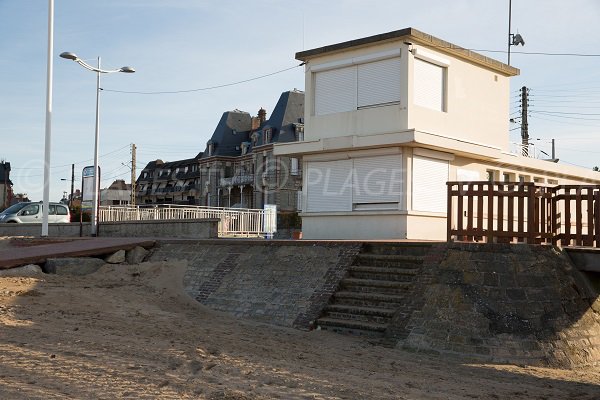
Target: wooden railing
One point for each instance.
(508, 212)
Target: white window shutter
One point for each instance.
(429, 192)
(335, 91)
(428, 85)
(379, 82)
(328, 186)
(377, 180)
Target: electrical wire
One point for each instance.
(209, 87)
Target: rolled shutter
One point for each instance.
(428, 85)
(377, 180)
(335, 91)
(429, 184)
(379, 82)
(329, 186)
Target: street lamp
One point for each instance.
(98, 71)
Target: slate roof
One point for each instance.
(235, 127)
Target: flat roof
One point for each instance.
(415, 36)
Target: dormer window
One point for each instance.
(267, 135)
(245, 147)
(299, 133)
(254, 137)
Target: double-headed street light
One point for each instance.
(98, 71)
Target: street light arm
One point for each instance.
(71, 56)
(102, 71)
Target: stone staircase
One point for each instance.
(375, 288)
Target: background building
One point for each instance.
(117, 194)
(237, 167)
(6, 192)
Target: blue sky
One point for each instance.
(178, 45)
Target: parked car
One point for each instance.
(32, 213)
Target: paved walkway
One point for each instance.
(23, 254)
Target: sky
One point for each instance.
(189, 46)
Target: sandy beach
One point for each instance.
(130, 331)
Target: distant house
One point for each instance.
(6, 192)
(117, 194)
(237, 167)
(389, 119)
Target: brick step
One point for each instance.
(368, 329)
(388, 260)
(415, 249)
(382, 273)
(374, 286)
(356, 313)
(362, 299)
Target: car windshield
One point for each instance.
(14, 208)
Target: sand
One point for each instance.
(131, 332)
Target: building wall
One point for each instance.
(477, 103)
(410, 220)
(476, 100)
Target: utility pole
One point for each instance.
(133, 175)
(524, 125)
(72, 184)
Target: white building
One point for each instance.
(389, 119)
(118, 193)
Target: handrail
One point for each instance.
(233, 222)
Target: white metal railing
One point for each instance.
(233, 222)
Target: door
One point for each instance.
(30, 213)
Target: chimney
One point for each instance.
(262, 115)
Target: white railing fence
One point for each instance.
(233, 222)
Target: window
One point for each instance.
(429, 184)
(30, 210)
(429, 85)
(328, 186)
(366, 183)
(377, 181)
(378, 82)
(294, 168)
(364, 85)
(61, 210)
(506, 177)
(267, 136)
(335, 91)
(490, 175)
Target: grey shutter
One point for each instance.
(379, 82)
(428, 85)
(328, 186)
(335, 91)
(377, 180)
(429, 184)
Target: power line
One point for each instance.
(209, 87)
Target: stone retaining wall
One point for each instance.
(504, 303)
(493, 302)
(278, 282)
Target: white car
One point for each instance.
(32, 213)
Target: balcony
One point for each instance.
(247, 179)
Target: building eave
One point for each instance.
(414, 36)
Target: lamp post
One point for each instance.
(98, 71)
